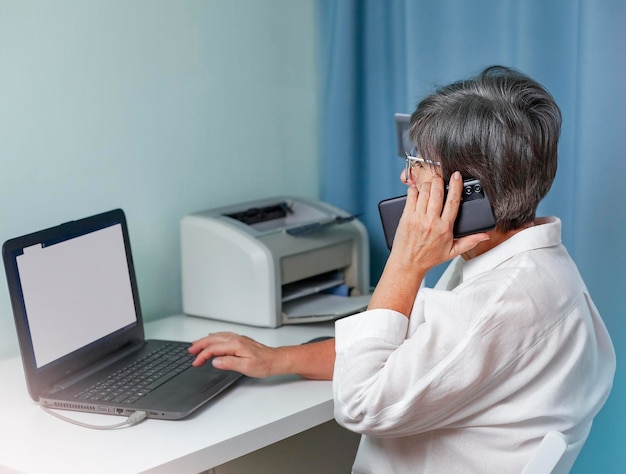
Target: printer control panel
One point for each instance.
(255, 215)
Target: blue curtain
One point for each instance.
(381, 57)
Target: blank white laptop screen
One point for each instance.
(76, 292)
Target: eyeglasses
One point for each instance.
(412, 160)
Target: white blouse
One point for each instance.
(505, 348)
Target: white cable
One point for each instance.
(133, 419)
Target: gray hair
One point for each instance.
(501, 128)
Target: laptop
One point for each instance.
(76, 306)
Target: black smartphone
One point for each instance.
(475, 213)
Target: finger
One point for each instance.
(200, 359)
(435, 200)
(411, 198)
(423, 196)
(233, 363)
(198, 345)
(404, 178)
(213, 346)
(203, 356)
(454, 198)
(211, 338)
(465, 244)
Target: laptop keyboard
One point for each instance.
(136, 380)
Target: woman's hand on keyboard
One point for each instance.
(230, 351)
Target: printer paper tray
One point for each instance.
(324, 306)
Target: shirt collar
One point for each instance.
(545, 233)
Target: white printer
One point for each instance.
(276, 261)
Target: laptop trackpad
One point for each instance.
(194, 385)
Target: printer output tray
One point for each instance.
(323, 307)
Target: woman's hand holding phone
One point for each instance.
(424, 238)
(425, 233)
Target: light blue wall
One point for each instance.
(161, 107)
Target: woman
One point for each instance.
(470, 375)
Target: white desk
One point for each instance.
(250, 416)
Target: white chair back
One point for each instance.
(548, 454)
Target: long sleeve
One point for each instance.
(516, 349)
